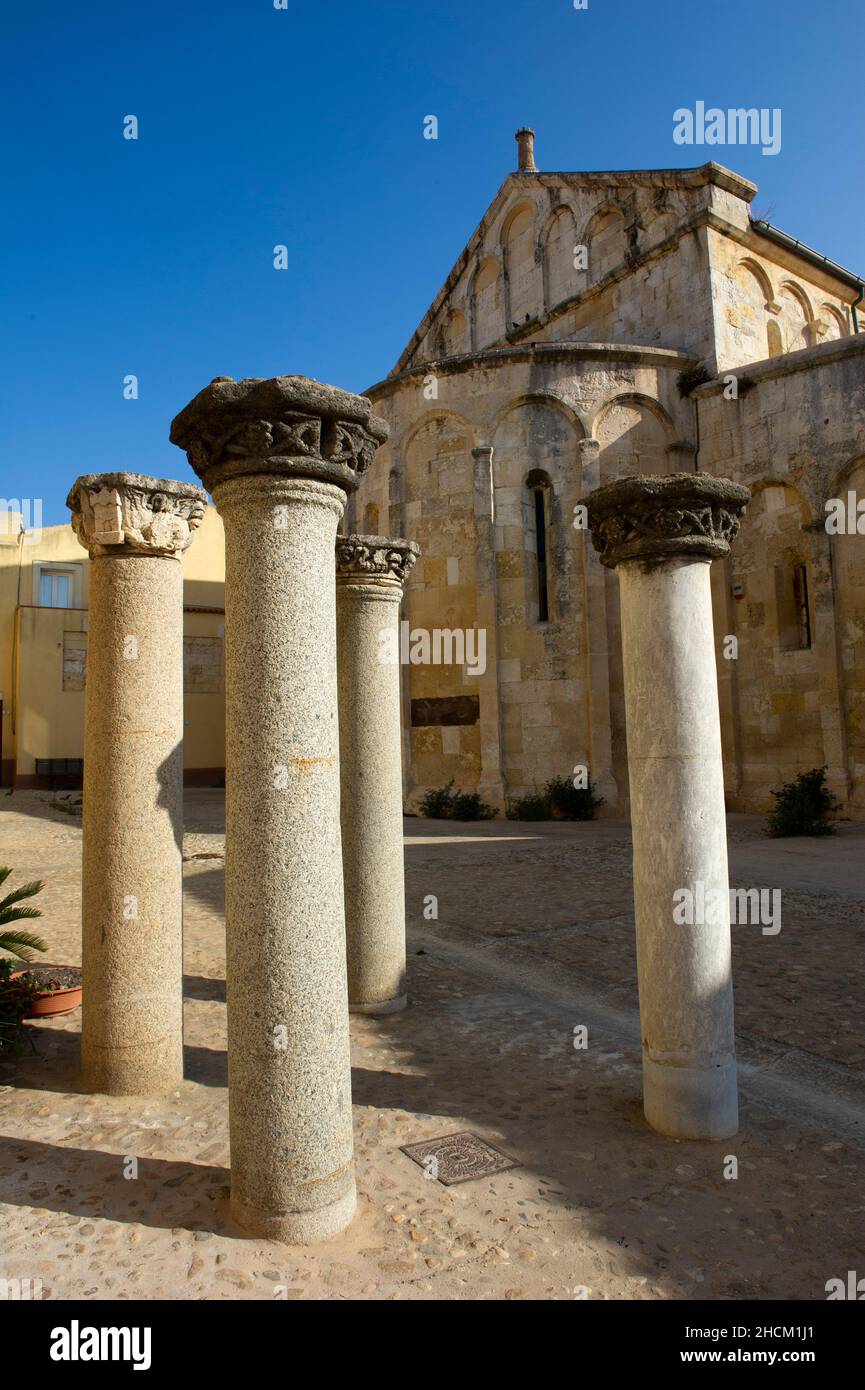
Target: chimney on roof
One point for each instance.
(525, 139)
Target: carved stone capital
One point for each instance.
(366, 559)
(287, 425)
(122, 513)
(651, 518)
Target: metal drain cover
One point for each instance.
(459, 1158)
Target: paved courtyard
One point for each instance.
(533, 938)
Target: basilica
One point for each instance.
(598, 325)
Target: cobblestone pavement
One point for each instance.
(533, 937)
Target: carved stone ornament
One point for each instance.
(650, 518)
(117, 513)
(374, 557)
(284, 425)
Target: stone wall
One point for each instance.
(795, 698)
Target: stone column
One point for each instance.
(598, 714)
(370, 574)
(827, 645)
(136, 529)
(492, 779)
(279, 457)
(660, 534)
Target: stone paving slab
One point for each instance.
(534, 936)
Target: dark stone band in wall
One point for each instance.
(651, 518)
(453, 709)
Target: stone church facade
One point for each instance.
(598, 325)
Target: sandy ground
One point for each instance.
(534, 937)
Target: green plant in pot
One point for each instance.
(17, 990)
(39, 991)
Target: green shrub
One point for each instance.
(441, 803)
(16, 1000)
(572, 803)
(436, 804)
(470, 806)
(803, 807)
(16, 996)
(535, 806)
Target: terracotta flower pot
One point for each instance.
(51, 1003)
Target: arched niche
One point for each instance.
(834, 321)
(455, 333)
(774, 340)
(487, 317)
(634, 434)
(605, 241)
(518, 253)
(755, 339)
(562, 277)
(796, 317)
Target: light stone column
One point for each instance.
(826, 640)
(492, 779)
(598, 715)
(660, 534)
(370, 574)
(279, 457)
(135, 529)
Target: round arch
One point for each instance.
(632, 398)
(539, 398)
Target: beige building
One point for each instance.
(596, 325)
(43, 652)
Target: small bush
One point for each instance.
(470, 806)
(441, 803)
(803, 807)
(436, 804)
(572, 803)
(535, 806)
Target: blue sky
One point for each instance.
(304, 127)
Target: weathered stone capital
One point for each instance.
(287, 425)
(374, 559)
(651, 518)
(125, 513)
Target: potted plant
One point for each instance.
(40, 990)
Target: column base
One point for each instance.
(380, 1006)
(113, 1072)
(296, 1227)
(691, 1102)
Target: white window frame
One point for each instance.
(70, 569)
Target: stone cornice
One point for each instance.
(131, 513)
(284, 425)
(786, 364)
(372, 558)
(565, 350)
(652, 518)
